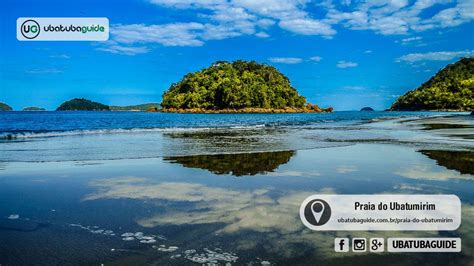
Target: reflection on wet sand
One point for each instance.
(461, 161)
(254, 219)
(236, 164)
(435, 126)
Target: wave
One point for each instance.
(24, 134)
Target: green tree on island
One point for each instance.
(5, 107)
(80, 104)
(235, 85)
(452, 88)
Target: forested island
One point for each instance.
(81, 104)
(33, 108)
(451, 89)
(5, 107)
(239, 86)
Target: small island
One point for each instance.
(5, 107)
(137, 108)
(32, 108)
(367, 109)
(80, 104)
(451, 89)
(236, 87)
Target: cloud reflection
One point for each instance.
(258, 211)
(422, 171)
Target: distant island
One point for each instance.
(81, 104)
(367, 109)
(139, 107)
(240, 86)
(451, 89)
(32, 108)
(5, 107)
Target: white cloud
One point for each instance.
(189, 3)
(307, 27)
(45, 71)
(417, 41)
(60, 56)
(222, 19)
(262, 34)
(285, 60)
(265, 23)
(277, 9)
(399, 17)
(346, 64)
(434, 56)
(174, 34)
(354, 88)
(411, 39)
(316, 58)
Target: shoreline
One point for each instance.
(249, 110)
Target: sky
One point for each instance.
(345, 54)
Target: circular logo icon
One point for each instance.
(30, 29)
(314, 212)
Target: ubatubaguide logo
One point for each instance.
(30, 29)
(62, 29)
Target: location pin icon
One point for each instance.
(317, 208)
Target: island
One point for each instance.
(236, 87)
(5, 107)
(33, 108)
(451, 89)
(367, 109)
(81, 104)
(137, 108)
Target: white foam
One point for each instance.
(211, 256)
(163, 248)
(149, 241)
(13, 216)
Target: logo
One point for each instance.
(359, 245)
(341, 244)
(314, 212)
(377, 245)
(62, 29)
(30, 29)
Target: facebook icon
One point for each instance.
(341, 244)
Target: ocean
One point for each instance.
(178, 189)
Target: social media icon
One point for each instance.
(377, 244)
(341, 244)
(359, 244)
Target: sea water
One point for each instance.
(174, 189)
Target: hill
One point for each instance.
(452, 88)
(80, 104)
(32, 108)
(235, 87)
(138, 107)
(5, 107)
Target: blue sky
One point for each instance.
(345, 54)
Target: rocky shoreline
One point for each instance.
(312, 109)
